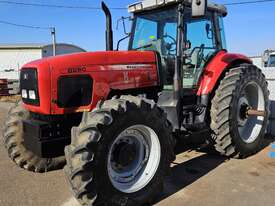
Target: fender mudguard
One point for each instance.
(216, 68)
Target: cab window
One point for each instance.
(157, 31)
(201, 38)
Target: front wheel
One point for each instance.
(120, 153)
(14, 143)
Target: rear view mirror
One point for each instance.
(199, 8)
(207, 28)
(208, 31)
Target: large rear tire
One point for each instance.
(120, 153)
(14, 143)
(236, 134)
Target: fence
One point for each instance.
(270, 77)
(9, 87)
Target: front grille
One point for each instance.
(74, 91)
(29, 86)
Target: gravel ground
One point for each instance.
(197, 179)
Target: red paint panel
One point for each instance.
(102, 58)
(44, 86)
(109, 70)
(215, 68)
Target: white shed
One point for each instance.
(269, 73)
(258, 61)
(14, 56)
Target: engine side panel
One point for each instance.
(216, 67)
(107, 78)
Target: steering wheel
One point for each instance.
(171, 47)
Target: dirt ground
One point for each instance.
(11, 99)
(197, 179)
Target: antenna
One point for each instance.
(53, 33)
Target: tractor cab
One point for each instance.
(185, 42)
(155, 28)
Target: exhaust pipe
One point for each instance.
(109, 31)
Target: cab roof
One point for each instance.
(156, 4)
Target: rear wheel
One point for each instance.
(14, 143)
(120, 153)
(236, 132)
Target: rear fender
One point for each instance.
(216, 68)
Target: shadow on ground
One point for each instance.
(184, 174)
(191, 170)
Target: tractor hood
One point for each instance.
(52, 78)
(79, 60)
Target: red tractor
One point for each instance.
(119, 112)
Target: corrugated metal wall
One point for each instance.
(258, 61)
(270, 76)
(11, 60)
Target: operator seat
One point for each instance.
(167, 62)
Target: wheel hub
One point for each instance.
(242, 108)
(251, 112)
(133, 158)
(124, 154)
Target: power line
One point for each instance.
(114, 8)
(57, 6)
(248, 2)
(25, 26)
(91, 8)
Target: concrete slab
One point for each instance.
(196, 179)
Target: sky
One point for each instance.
(250, 29)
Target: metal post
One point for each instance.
(179, 63)
(53, 33)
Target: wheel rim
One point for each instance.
(133, 158)
(250, 127)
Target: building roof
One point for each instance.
(22, 46)
(34, 46)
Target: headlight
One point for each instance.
(131, 8)
(32, 94)
(29, 86)
(24, 94)
(160, 2)
(135, 7)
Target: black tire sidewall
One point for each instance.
(241, 146)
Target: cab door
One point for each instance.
(202, 43)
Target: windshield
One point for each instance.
(156, 31)
(271, 61)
